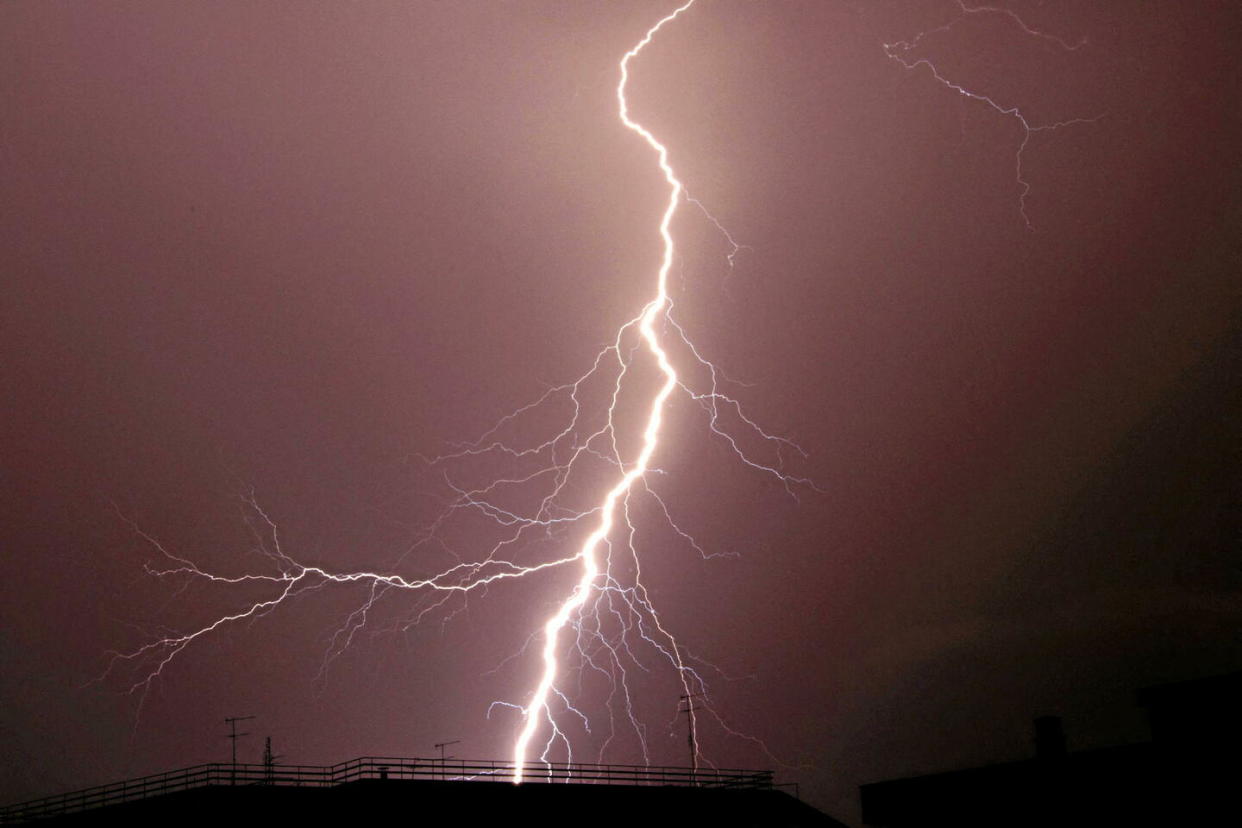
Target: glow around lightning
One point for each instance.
(537, 707)
(554, 452)
(607, 625)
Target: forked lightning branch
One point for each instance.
(606, 425)
(607, 621)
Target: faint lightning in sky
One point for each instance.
(902, 51)
(532, 508)
(1021, 24)
(735, 246)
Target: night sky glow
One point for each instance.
(369, 376)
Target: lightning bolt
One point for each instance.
(901, 52)
(608, 611)
(588, 554)
(607, 621)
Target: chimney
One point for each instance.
(1049, 738)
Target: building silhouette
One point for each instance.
(412, 791)
(1186, 774)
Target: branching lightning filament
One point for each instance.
(905, 52)
(537, 707)
(534, 495)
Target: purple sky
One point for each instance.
(291, 248)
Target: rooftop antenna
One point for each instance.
(441, 746)
(269, 762)
(688, 707)
(232, 721)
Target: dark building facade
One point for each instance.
(412, 792)
(1185, 775)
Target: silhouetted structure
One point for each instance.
(1186, 774)
(409, 790)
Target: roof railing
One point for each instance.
(380, 768)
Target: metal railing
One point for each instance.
(379, 768)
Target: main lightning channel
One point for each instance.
(600, 598)
(537, 708)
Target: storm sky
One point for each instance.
(292, 250)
